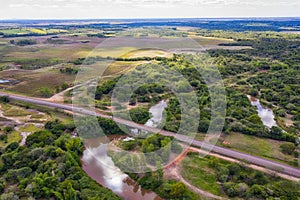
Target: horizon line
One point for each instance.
(155, 18)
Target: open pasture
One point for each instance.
(29, 82)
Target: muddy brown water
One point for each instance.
(100, 167)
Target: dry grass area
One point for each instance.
(209, 41)
(29, 82)
(120, 67)
(147, 53)
(104, 52)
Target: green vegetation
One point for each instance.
(49, 167)
(257, 146)
(258, 59)
(45, 92)
(154, 143)
(15, 112)
(4, 99)
(241, 115)
(234, 180)
(140, 115)
(158, 149)
(24, 42)
(69, 70)
(9, 137)
(29, 128)
(269, 72)
(288, 148)
(28, 32)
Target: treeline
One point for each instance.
(99, 35)
(23, 42)
(48, 167)
(69, 70)
(93, 60)
(36, 63)
(15, 35)
(88, 127)
(145, 94)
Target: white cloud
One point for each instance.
(147, 8)
(16, 3)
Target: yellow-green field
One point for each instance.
(147, 53)
(30, 128)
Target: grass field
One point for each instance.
(50, 113)
(29, 82)
(119, 67)
(29, 128)
(197, 172)
(257, 146)
(15, 112)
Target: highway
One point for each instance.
(269, 164)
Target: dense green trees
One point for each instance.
(244, 71)
(157, 147)
(4, 99)
(48, 168)
(139, 115)
(45, 92)
(269, 71)
(25, 42)
(105, 88)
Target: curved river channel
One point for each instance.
(100, 167)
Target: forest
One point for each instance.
(48, 167)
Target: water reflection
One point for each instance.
(157, 119)
(157, 114)
(104, 167)
(266, 115)
(4, 81)
(100, 167)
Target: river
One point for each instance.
(100, 167)
(266, 115)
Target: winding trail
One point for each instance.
(174, 173)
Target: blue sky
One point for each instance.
(45, 9)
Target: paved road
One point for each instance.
(282, 168)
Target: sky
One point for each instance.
(101, 9)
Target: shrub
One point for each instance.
(288, 148)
